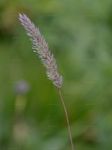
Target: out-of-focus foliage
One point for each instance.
(79, 33)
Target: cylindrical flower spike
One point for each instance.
(40, 47)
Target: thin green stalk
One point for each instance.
(67, 119)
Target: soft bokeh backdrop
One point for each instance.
(79, 33)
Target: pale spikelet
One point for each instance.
(40, 47)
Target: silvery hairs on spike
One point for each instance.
(40, 47)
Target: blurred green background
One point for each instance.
(79, 33)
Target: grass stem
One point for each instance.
(67, 118)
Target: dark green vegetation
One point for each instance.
(79, 33)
